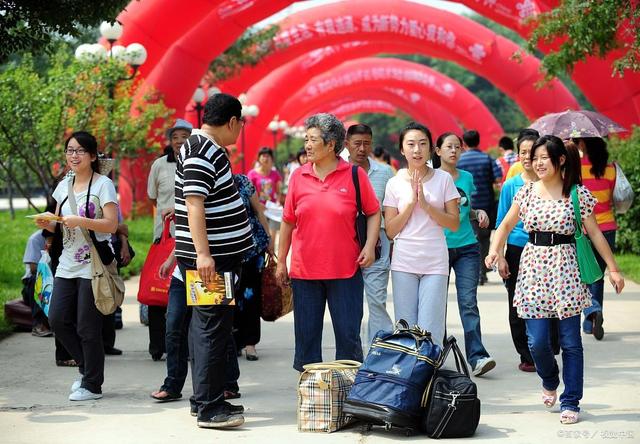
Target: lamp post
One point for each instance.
(198, 97)
(249, 112)
(134, 54)
(274, 126)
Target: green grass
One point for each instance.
(630, 266)
(13, 239)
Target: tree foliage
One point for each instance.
(589, 28)
(39, 108)
(247, 50)
(33, 25)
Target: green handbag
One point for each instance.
(590, 271)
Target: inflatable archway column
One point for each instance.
(177, 71)
(380, 73)
(429, 31)
(356, 97)
(616, 97)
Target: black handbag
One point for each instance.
(453, 407)
(361, 218)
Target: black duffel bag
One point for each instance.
(453, 407)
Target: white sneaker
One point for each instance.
(76, 385)
(483, 366)
(82, 394)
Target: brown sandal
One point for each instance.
(168, 396)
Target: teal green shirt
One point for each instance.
(465, 234)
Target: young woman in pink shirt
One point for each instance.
(419, 202)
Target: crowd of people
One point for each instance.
(423, 221)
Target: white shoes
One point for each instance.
(483, 366)
(82, 394)
(76, 384)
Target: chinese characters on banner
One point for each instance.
(380, 23)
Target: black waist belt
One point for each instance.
(548, 239)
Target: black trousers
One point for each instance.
(246, 321)
(210, 331)
(77, 323)
(109, 330)
(517, 324)
(157, 329)
(484, 239)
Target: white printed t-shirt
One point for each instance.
(421, 246)
(75, 260)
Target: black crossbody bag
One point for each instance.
(361, 218)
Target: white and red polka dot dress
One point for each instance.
(548, 284)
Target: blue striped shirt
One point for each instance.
(485, 172)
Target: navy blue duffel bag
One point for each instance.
(391, 383)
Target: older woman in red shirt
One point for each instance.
(319, 224)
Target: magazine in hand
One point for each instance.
(218, 292)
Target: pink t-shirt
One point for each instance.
(421, 246)
(266, 186)
(324, 244)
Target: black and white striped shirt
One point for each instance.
(203, 169)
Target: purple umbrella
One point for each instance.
(576, 124)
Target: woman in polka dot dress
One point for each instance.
(549, 284)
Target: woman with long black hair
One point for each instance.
(549, 284)
(73, 315)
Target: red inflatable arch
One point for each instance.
(419, 107)
(389, 72)
(427, 31)
(616, 97)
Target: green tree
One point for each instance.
(247, 50)
(40, 108)
(589, 28)
(34, 25)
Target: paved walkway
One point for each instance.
(34, 406)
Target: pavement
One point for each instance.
(34, 406)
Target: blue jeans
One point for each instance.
(344, 297)
(376, 281)
(465, 261)
(572, 358)
(176, 339)
(597, 288)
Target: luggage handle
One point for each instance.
(452, 345)
(341, 364)
(418, 333)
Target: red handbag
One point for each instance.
(277, 301)
(154, 290)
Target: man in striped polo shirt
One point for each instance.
(212, 233)
(376, 277)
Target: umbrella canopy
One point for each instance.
(576, 124)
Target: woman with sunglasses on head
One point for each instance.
(73, 315)
(549, 284)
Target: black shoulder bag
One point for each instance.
(361, 218)
(453, 407)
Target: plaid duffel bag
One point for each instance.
(322, 390)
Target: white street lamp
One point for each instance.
(198, 95)
(111, 31)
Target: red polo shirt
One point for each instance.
(323, 214)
